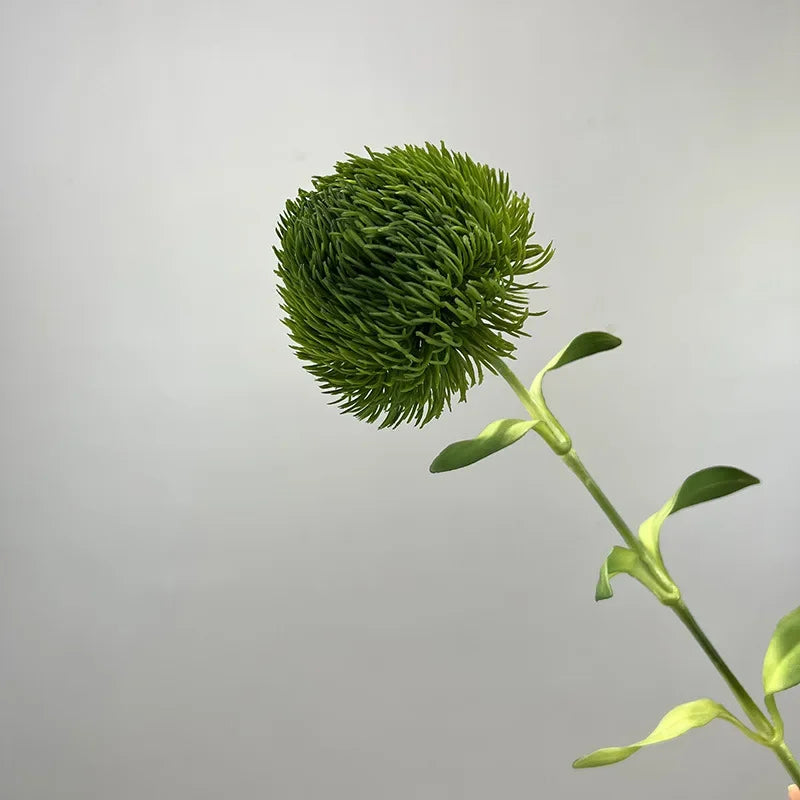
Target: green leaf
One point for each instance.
(681, 719)
(782, 660)
(493, 437)
(781, 669)
(587, 344)
(619, 560)
(707, 484)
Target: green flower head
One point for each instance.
(400, 279)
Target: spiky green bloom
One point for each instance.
(400, 279)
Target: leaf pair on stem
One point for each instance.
(504, 432)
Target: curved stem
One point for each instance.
(771, 737)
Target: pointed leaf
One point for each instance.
(621, 559)
(681, 719)
(782, 660)
(707, 484)
(587, 344)
(493, 437)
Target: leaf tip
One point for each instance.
(601, 339)
(437, 466)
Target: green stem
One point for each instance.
(576, 465)
(772, 707)
(555, 435)
(547, 425)
(788, 760)
(520, 391)
(771, 738)
(749, 706)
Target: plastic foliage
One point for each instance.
(403, 276)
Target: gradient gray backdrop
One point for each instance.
(214, 586)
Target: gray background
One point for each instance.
(211, 584)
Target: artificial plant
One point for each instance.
(402, 278)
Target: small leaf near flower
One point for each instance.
(587, 344)
(493, 437)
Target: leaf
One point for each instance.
(619, 560)
(782, 660)
(494, 437)
(676, 722)
(587, 344)
(707, 484)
